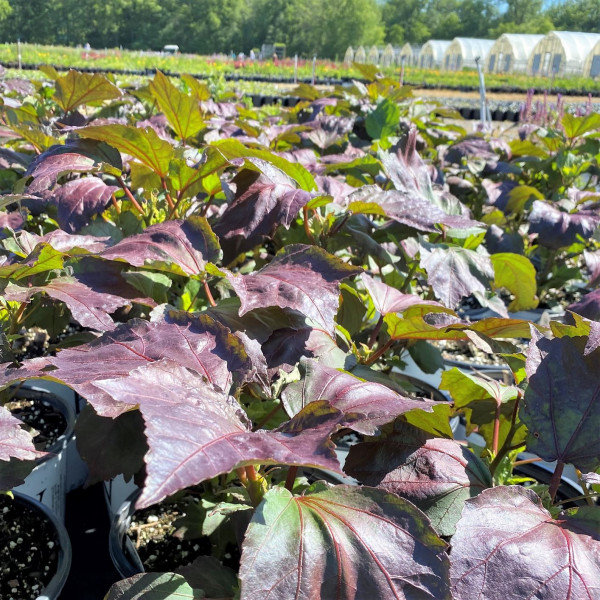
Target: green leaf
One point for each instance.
(143, 144)
(182, 111)
(231, 148)
(75, 89)
(44, 258)
(341, 543)
(198, 88)
(519, 197)
(383, 121)
(579, 126)
(153, 285)
(153, 586)
(480, 398)
(436, 422)
(516, 273)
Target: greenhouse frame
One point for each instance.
(510, 52)
(462, 52)
(409, 53)
(591, 66)
(432, 54)
(562, 53)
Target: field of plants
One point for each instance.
(343, 349)
(219, 65)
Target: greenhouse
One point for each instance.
(349, 56)
(373, 55)
(561, 53)
(432, 54)
(510, 53)
(409, 53)
(462, 52)
(591, 66)
(360, 56)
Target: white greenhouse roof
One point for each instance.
(576, 45)
(522, 44)
(471, 48)
(437, 47)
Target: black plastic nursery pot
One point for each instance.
(60, 552)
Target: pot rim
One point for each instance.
(53, 589)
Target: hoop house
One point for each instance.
(591, 66)
(510, 53)
(360, 56)
(410, 54)
(349, 56)
(432, 54)
(561, 53)
(387, 56)
(462, 52)
(373, 55)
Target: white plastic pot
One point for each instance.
(117, 491)
(48, 481)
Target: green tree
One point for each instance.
(576, 15)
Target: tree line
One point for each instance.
(307, 27)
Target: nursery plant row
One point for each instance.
(337, 349)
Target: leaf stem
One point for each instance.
(307, 230)
(115, 204)
(209, 295)
(241, 473)
(409, 276)
(130, 196)
(176, 206)
(375, 333)
(379, 352)
(496, 435)
(555, 481)
(167, 194)
(291, 477)
(527, 461)
(266, 418)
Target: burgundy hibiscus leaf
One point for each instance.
(79, 200)
(203, 345)
(416, 212)
(262, 202)
(435, 474)
(17, 452)
(196, 432)
(387, 299)
(61, 241)
(455, 272)
(592, 262)
(14, 440)
(14, 220)
(557, 229)
(344, 543)
(588, 306)
(562, 401)
(303, 278)
(82, 156)
(365, 405)
(180, 246)
(89, 308)
(508, 547)
(470, 147)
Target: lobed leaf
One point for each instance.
(75, 89)
(366, 405)
(562, 401)
(435, 474)
(506, 530)
(196, 432)
(303, 278)
(181, 110)
(345, 543)
(143, 144)
(88, 307)
(184, 247)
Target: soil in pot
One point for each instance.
(39, 415)
(29, 550)
(163, 545)
(463, 351)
